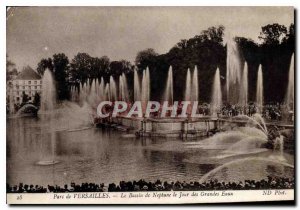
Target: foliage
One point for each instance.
(273, 33)
(61, 68)
(45, 63)
(10, 69)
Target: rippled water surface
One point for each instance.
(96, 155)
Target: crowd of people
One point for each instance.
(142, 185)
(271, 112)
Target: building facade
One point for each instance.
(27, 82)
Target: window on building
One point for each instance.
(35, 82)
(35, 87)
(29, 82)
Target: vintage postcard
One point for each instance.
(150, 105)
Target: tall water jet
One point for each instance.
(243, 99)
(126, 93)
(216, 98)
(92, 95)
(195, 85)
(88, 86)
(289, 98)
(113, 89)
(279, 146)
(83, 92)
(94, 87)
(259, 89)
(145, 92)
(123, 88)
(233, 72)
(107, 95)
(168, 95)
(187, 95)
(101, 87)
(137, 88)
(48, 105)
(48, 98)
(74, 93)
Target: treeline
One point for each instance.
(274, 53)
(80, 69)
(206, 50)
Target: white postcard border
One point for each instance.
(153, 197)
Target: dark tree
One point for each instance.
(250, 53)
(44, 64)
(61, 68)
(206, 51)
(10, 69)
(104, 64)
(80, 67)
(273, 33)
(145, 56)
(96, 68)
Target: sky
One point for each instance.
(33, 33)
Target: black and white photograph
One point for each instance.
(150, 105)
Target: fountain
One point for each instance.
(123, 88)
(83, 92)
(101, 90)
(211, 175)
(195, 86)
(191, 86)
(216, 98)
(48, 105)
(107, 95)
(289, 98)
(145, 91)
(48, 98)
(259, 90)
(279, 146)
(137, 88)
(74, 93)
(187, 95)
(112, 89)
(168, 95)
(243, 98)
(233, 74)
(92, 98)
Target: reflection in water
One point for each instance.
(92, 155)
(96, 155)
